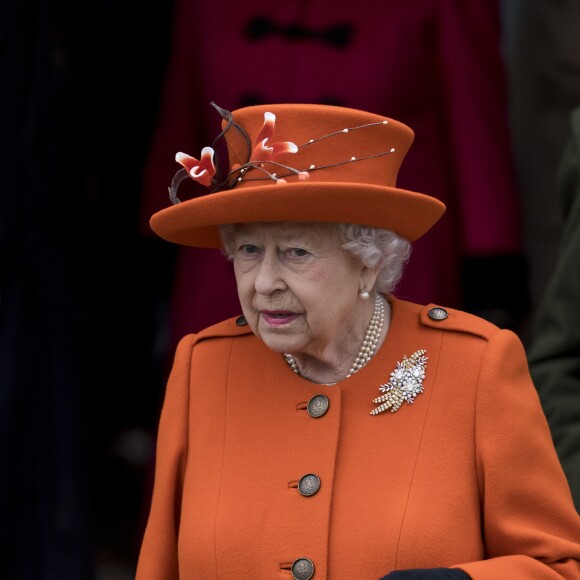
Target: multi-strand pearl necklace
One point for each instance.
(369, 344)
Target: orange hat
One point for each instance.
(294, 162)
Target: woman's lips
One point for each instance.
(278, 317)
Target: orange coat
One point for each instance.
(466, 476)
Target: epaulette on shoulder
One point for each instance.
(235, 326)
(445, 318)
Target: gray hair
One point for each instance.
(374, 247)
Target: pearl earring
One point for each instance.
(364, 295)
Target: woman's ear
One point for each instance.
(368, 278)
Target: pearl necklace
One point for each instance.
(369, 344)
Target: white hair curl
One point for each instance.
(374, 247)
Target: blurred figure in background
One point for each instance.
(385, 57)
(542, 52)
(71, 480)
(45, 524)
(554, 352)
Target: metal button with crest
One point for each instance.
(302, 569)
(438, 313)
(318, 406)
(309, 484)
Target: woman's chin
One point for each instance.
(280, 342)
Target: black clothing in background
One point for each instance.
(78, 92)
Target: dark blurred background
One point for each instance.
(96, 99)
(83, 292)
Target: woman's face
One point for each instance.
(298, 288)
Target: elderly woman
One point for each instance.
(334, 430)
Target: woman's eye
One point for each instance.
(248, 249)
(298, 252)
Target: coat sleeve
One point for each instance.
(158, 555)
(530, 526)
(554, 351)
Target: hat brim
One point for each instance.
(195, 222)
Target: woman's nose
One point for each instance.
(270, 277)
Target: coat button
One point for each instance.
(438, 313)
(309, 484)
(317, 406)
(302, 569)
(241, 321)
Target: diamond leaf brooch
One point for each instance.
(405, 384)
